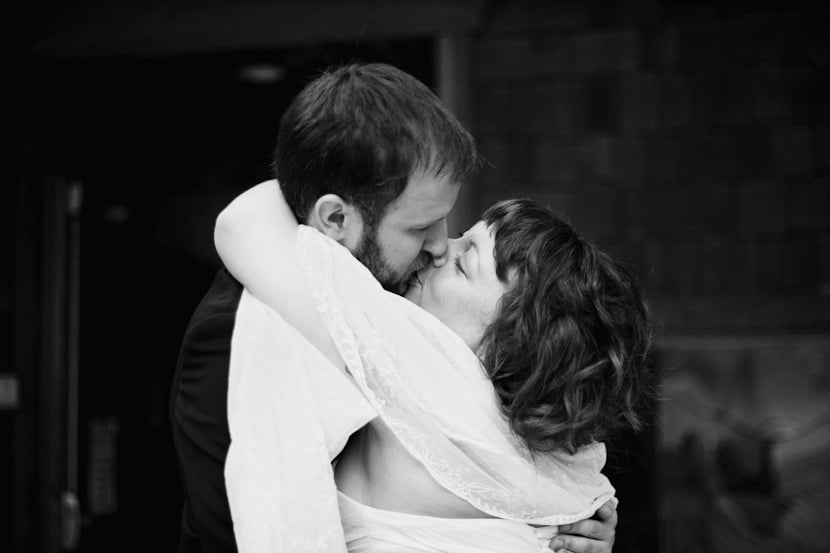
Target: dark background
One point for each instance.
(691, 138)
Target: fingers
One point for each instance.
(578, 544)
(594, 535)
(607, 512)
(594, 529)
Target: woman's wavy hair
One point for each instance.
(568, 350)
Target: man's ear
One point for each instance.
(337, 219)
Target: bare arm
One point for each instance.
(255, 237)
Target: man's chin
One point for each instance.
(396, 286)
(395, 283)
(399, 286)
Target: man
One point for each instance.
(371, 150)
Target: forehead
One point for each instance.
(484, 238)
(426, 199)
(479, 230)
(481, 235)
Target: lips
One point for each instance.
(414, 281)
(414, 287)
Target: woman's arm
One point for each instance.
(255, 237)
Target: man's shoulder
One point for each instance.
(219, 302)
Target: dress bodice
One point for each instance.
(370, 530)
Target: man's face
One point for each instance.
(412, 233)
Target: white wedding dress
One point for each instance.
(369, 530)
(290, 412)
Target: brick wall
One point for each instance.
(693, 141)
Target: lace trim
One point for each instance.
(457, 459)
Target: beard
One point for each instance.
(368, 252)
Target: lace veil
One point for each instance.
(412, 371)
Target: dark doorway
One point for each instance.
(159, 146)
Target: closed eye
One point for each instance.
(458, 266)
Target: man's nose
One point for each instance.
(440, 260)
(436, 245)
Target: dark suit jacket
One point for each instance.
(198, 414)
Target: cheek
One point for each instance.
(488, 304)
(449, 298)
(399, 249)
(460, 312)
(408, 249)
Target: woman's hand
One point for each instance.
(593, 535)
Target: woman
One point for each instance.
(529, 346)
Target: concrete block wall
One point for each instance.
(692, 139)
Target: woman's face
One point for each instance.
(465, 291)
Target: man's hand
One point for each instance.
(593, 535)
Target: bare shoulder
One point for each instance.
(375, 469)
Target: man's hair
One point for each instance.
(361, 131)
(568, 350)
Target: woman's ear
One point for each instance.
(337, 219)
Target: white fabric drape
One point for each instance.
(290, 412)
(416, 374)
